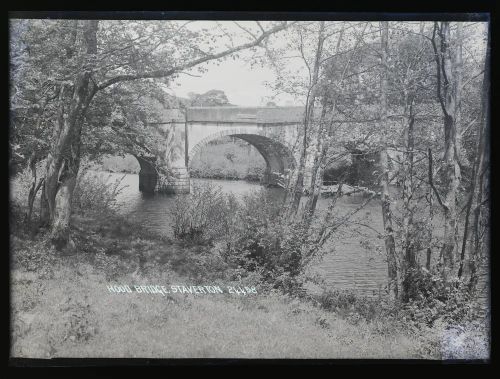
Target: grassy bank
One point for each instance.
(61, 306)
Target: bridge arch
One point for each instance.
(277, 155)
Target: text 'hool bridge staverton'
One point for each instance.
(271, 130)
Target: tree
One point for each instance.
(479, 188)
(406, 124)
(212, 98)
(390, 245)
(449, 64)
(80, 59)
(311, 97)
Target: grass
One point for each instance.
(61, 307)
(77, 317)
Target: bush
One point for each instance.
(265, 241)
(353, 307)
(252, 236)
(204, 215)
(96, 194)
(20, 184)
(431, 300)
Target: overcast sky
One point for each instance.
(244, 85)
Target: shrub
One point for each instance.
(20, 184)
(264, 240)
(204, 215)
(431, 300)
(431, 303)
(252, 236)
(353, 307)
(96, 194)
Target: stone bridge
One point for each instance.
(271, 130)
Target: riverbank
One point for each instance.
(62, 306)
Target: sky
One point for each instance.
(243, 85)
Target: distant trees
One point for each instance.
(212, 98)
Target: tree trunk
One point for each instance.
(318, 166)
(410, 258)
(430, 231)
(33, 187)
(452, 181)
(449, 82)
(482, 159)
(63, 161)
(390, 246)
(308, 119)
(62, 213)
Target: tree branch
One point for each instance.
(168, 72)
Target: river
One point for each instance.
(353, 259)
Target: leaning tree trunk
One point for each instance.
(63, 161)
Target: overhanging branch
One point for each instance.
(173, 70)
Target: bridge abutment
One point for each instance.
(178, 182)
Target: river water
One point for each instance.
(349, 261)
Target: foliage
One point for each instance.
(46, 55)
(126, 164)
(433, 305)
(432, 299)
(266, 240)
(353, 307)
(212, 98)
(21, 182)
(253, 235)
(204, 215)
(95, 193)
